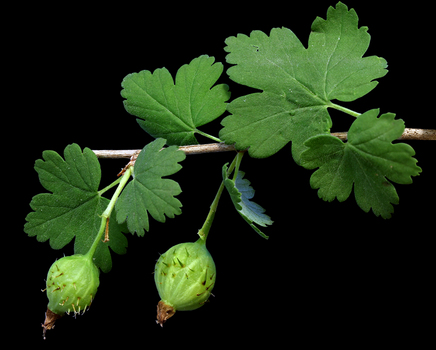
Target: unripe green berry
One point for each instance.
(184, 276)
(72, 283)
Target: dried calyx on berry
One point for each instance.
(72, 283)
(184, 276)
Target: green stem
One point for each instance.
(116, 182)
(238, 163)
(208, 136)
(107, 213)
(345, 110)
(204, 231)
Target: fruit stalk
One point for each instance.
(108, 211)
(185, 274)
(204, 231)
(72, 281)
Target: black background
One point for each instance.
(330, 274)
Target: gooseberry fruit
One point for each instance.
(72, 283)
(184, 276)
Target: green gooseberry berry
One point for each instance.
(184, 276)
(72, 283)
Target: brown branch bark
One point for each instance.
(408, 134)
(192, 149)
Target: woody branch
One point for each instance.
(408, 134)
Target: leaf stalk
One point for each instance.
(107, 188)
(208, 136)
(345, 110)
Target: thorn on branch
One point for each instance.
(131, 163)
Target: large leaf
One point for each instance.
(298, 84)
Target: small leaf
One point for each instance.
(174, 111)
(74, 207)
(241, 192)
(366, 161)
(148, 193)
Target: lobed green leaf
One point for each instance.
(174, 111)
(367, 161)
(241, 194)
(148, 193)
(74, 207)
(297, 84)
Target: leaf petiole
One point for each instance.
(208, 136)
(343, 109)
(107, 188)
(122, 181)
